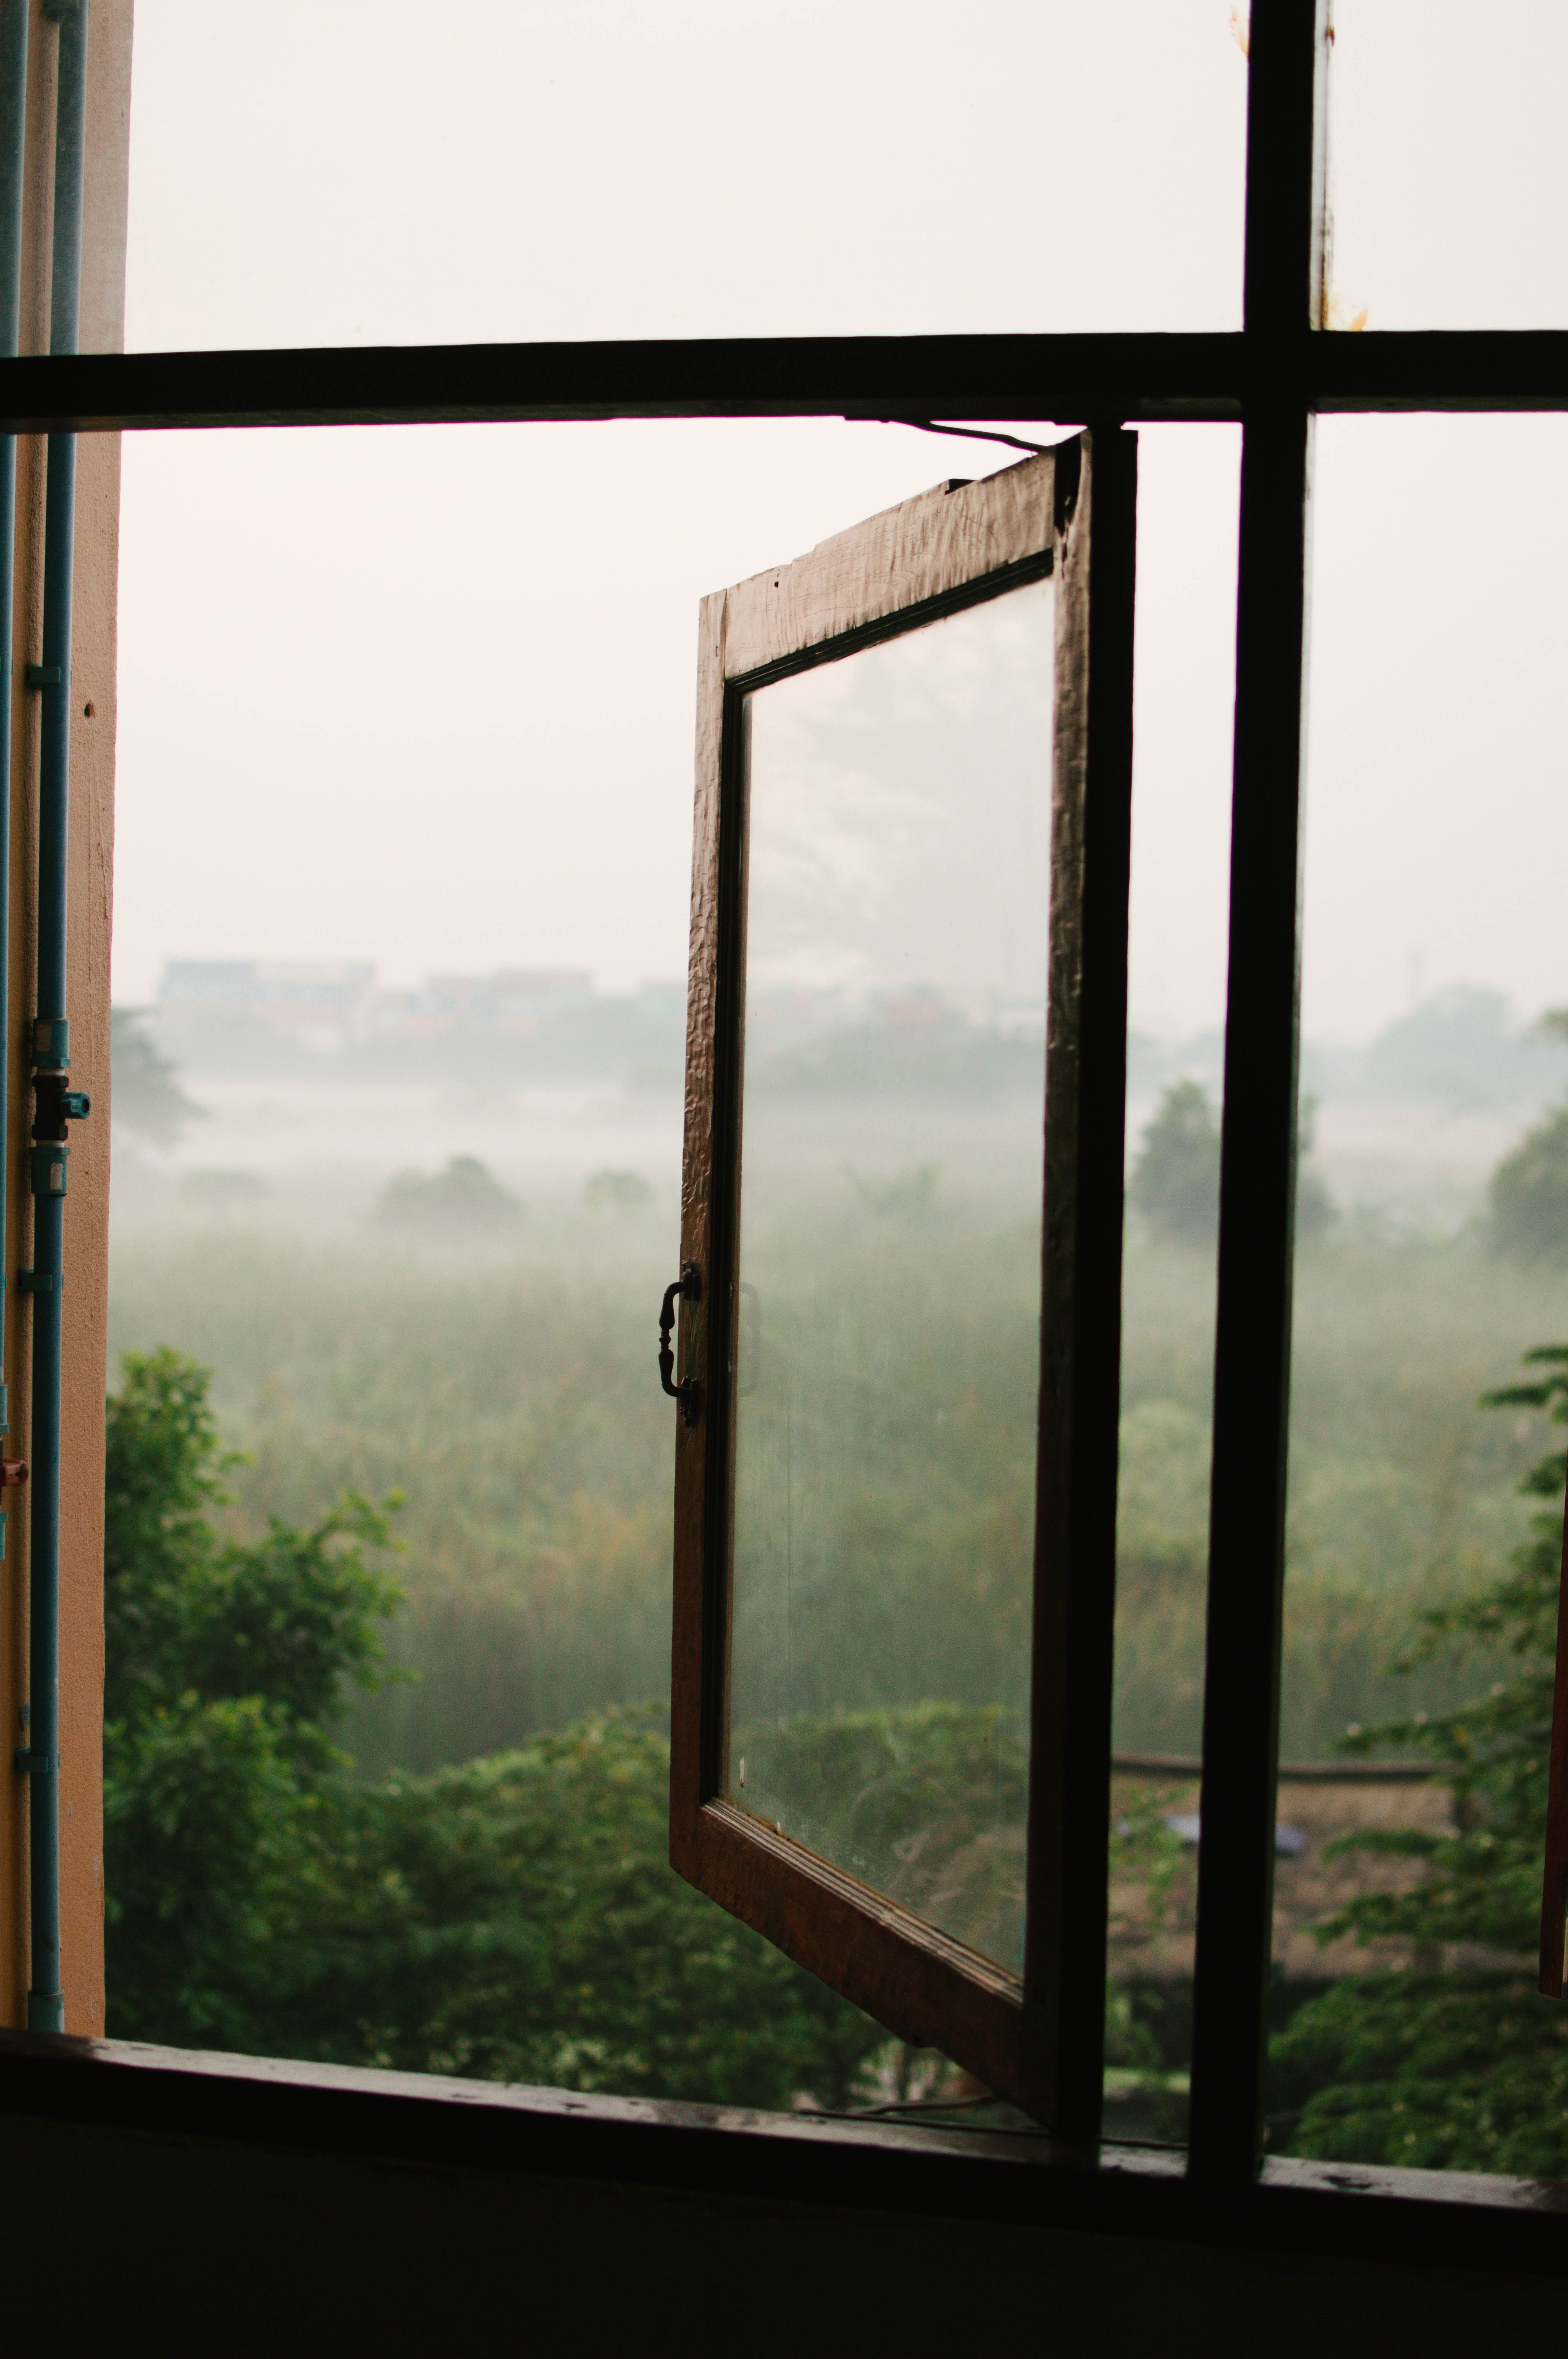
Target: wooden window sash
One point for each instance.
(1035, 2038)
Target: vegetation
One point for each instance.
(1529, 1193)
(148, 1099)
(617, 1191)
(514, 1917)
(513, 1402)
(1456, 2061)
(462, 1203)
(1175, 1182)
(411, 1908)
(224, 1662)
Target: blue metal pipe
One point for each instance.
(56, 1106)
(13, 138)
(70, 153)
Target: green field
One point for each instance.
(511, 1400)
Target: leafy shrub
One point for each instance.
(1466, 2070)
(224, 1662)
(516, 1919)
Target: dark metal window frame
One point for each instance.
(1272, 375)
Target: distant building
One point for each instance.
(515, 1000)
(328, 1005)
(322, 1004)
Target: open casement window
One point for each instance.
(897, 1350)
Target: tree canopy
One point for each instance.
(148, 1098)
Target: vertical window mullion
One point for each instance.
(1245, 1588)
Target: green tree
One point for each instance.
(1529, 1194)
(514, 1916)
(466, 1199)
(1175, 1181)
(1462, 2071)
(1529, 1190)
(224, 1663)
(516, 1919)
(148, 1099)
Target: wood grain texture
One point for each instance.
(1086, 1074)
(923, 548)
(925, 1986)
(689, 1619)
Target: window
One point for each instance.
(938, 1971)
(912, 827)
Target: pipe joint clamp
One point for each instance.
(47, 1167)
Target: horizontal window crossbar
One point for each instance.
(1070, 378)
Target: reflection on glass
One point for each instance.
(900, 811)
(1449, 169)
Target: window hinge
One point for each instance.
(34, 1765)
(43, 675)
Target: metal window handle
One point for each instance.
(687, 1287)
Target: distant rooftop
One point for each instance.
(328, 1003)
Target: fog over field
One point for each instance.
(503, 1374)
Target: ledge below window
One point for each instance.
(1401, 2218)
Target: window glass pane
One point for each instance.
(403, 893)
(897, 907)
(374, 172)
(1187, 485)
(1431, 1258)
(1448, 171)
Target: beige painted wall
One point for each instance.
(92, 880)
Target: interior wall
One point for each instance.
(188, 2244)
(91, 875)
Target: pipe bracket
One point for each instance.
(51, 1040)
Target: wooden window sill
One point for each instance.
(1456, 2220)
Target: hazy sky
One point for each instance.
(425, 695)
